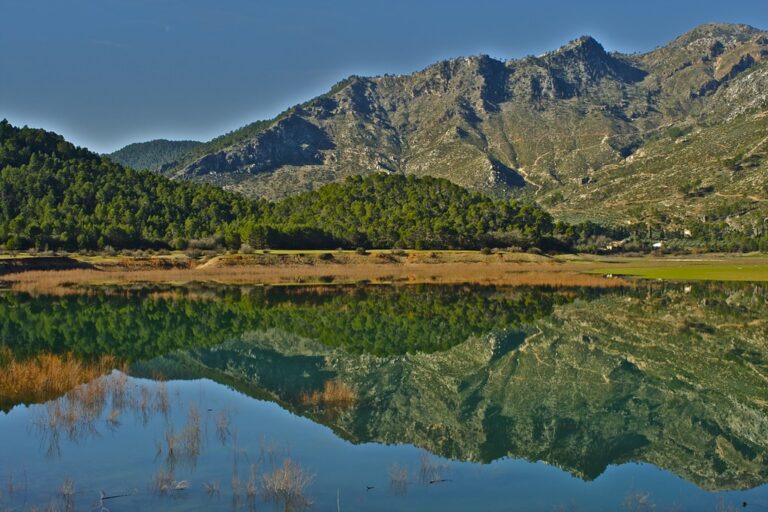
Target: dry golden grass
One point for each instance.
(46, 376)
(444, 271)
(335, 393)
(325, 267)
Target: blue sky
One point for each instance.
(105, 73)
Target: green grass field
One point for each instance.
(692, 272)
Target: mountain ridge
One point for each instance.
(571, 128)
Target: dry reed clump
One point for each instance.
(431, 470)
(287, 485)
(237, 490)
(186, 444)
(46, 376)
(79, 411)
(270, 451)
(75, 413)
(335, 394)
(398, 480)
(143, 404)
(191, 436)
(638, 502)
(171, 440)
(118, 388)
(67, 493)
(252, 487)
(162, 482)
(50, 507)
(113, 419)
(162, 402)
(89, 400)
(722, 506)
(223, 421)
(212, 488)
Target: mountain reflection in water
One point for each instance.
(675, 376)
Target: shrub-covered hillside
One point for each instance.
(154, 154)
(397, 211)
(57, 196)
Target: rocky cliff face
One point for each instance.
(585, 131)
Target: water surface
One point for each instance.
(394, 398)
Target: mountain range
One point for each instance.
(674, 135)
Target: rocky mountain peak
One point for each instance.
(709, 34)
(585, 47)
(583, 62)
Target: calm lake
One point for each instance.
(429, 398)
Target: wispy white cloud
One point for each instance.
(108, 42)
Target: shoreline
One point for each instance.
(70, 274)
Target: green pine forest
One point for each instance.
(55, 196)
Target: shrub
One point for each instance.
(287, 484)
(206, 243)
(193, 253)
(334, 393)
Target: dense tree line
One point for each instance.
(405, 211)
(57, 196)
(384, 321)
(154, 154)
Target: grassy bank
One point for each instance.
(73, 272)
(734, 271)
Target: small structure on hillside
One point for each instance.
(615, 244)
